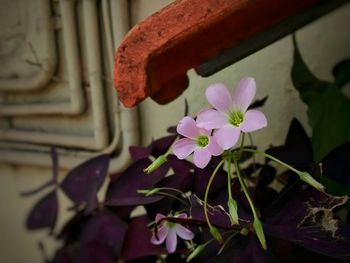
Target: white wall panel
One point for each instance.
(78, 107)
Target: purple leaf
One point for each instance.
(106, 230)
(62, 255)
(264, 197)
(55, 168)
(44, 213)
(172, 129)
(72, 229)
(93, 252)
(312, 224)
(38, 189)
(139, 152)
(217, 214)
(83, 182)
(297, 150)
(266, 175)
(137, 241)
(258, 103)
(241, 250)
(162, 145)
(201, 179)
(122, 191)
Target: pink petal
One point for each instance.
(162, 234)
(171, 240)
(187, 127)
(227, 137)
(183, 147)
(253, 120)
(244, 93)
(201, 157)
(214, 147)
(219, 97)
(159, 217)
(182, 215)
(183, 232)
(211, 119)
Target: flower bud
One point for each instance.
(156, 164)
(259, 232)
(307, 178)
(232, 207)
(215, 233)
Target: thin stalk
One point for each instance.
(272, 158)
(242, 141)
(226, 242)
(229, 176)
(245, 190)
(207, 192)
(172, 196)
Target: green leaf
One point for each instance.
(341, 72)
(328, 108)
(309, 87)
(329, 118)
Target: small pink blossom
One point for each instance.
(169, 231)
(230, 115)
(198, 141)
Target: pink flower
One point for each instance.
(230, 115)
(198, 141)
(169, 231)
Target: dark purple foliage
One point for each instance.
(139, 152)
(217, 215)
(104, 229)
(258, 103)
(201, 179)
(243, 249)
(305, 217)
(44, 213)
(298, 221)
(161, 145)
(297, 150)
(54, 179)
(122, 191)
(83, 182)
(137, 240)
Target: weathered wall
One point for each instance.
(322, 43)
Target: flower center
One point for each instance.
(236, 118)
(202, 141)
(170, 225)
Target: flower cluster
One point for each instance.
(218, 129)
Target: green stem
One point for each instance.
(229, 177)
(242, 142)
(226, 242)
(175, 190)
(272, 158)
(207, 192)
(172, 196)
(245, 190)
